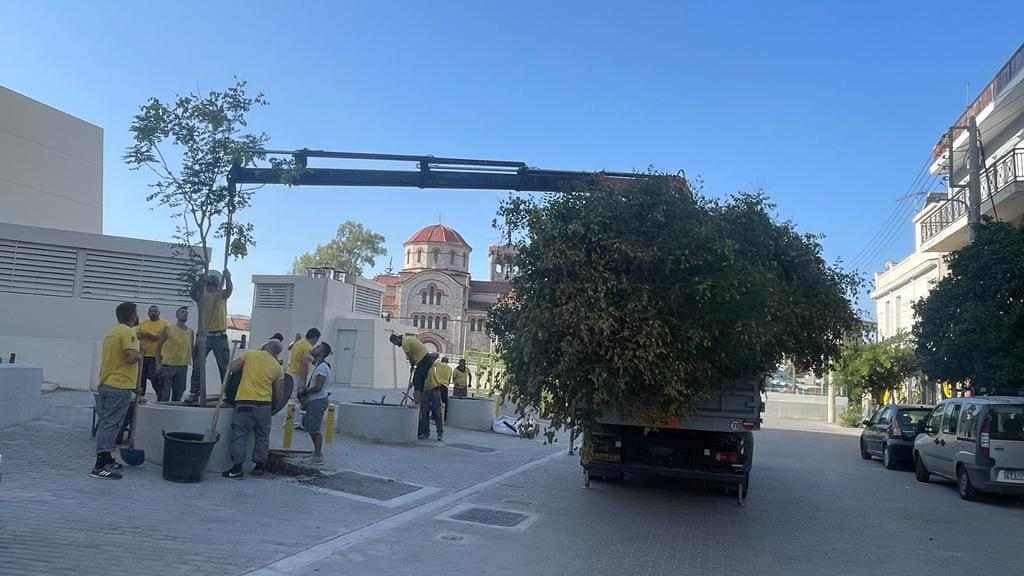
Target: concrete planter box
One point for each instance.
(471, 413)
(153, 418)
(20, 389)
(388, 423)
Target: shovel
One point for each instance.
(133, 456)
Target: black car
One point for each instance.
(890, 433)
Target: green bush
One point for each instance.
(853, 415)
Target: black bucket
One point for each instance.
(185, 456)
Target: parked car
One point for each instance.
(889, 434)
(977, 442)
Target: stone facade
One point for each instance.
(434, 296)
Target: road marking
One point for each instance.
(295, 562)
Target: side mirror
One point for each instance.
(928, 429)
(866, 422)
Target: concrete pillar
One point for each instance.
(830, 401)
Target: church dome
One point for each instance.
(437, 234)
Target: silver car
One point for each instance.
(977, 442)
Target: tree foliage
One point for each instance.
(353, 248)
(647, 296)
(970, 328)
(875, 367)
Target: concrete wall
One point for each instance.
(59, 327)
(20, 389)
(901, 285)
(794, 407)
(51, 166)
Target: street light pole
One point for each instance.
(973, 181)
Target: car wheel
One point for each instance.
(864, 451)
(888, 459)
(920, 472)
(964, 486)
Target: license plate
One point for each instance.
(1013, 475)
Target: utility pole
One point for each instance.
(973, 181)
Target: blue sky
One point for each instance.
(831, 107)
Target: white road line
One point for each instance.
(295, 562)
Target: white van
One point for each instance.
(978, 442)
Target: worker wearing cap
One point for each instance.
(212, 297)
(300, 358)
(461, 379)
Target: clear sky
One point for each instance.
(831, 107)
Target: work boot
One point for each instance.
(233, 472)
(105, 473)
(259, 469)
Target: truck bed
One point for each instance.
(736, 408)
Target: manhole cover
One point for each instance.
(363, 485)
(490, 517)
(471, 447)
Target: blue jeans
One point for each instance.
(430, 407)
(216, 342)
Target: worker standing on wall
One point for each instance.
(261, 372)
(152, 334)
(119, 377)
(212, 298)
(462, 379)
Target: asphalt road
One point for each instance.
(814, 508)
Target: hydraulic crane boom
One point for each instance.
(431, 172)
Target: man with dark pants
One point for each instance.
(420, 362)
(175, 356)
(314, 397)
(443, 378)
(119, 376)
(431, 406)
(260, 373)
(212, 298)
(152, 333)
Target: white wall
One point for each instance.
(51, 167)
(900, 286)
(62, 331)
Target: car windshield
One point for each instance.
(1007, 423)
(913, 417)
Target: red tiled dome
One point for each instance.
(437, 233)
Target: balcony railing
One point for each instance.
(1007, 170)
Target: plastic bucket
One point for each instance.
(185, 456)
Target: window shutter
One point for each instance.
(30, 268)
(280, 296)
(122, 276)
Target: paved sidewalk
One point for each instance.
(809, 426)
(55, 519)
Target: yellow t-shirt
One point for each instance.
(177, 350)
(413, 348)
(114, 371)
(440, 375)
(259, 372)
(299, 349)
(215, 312)
(460, 378)
(154, 328)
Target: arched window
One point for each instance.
(423, 297)
(452, 255)
(419, 256)
(430, 322)
(431, 293)
(408, 256)
(444, 322)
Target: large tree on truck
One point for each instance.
(647, 295)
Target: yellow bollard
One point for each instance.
(329, 433)
(289, 427)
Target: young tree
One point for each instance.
(353, 247)
(970, 328)
(647, 296)
(876, 367)
(189, 144)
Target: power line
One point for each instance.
(893, 216)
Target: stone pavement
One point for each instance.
(55, 519)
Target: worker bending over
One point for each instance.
(261, 372)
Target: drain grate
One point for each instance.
(363, 485)
(490, 517)
(471, 447)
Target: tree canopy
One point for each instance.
(650, 294)
(353, 248)
(970, 328)
(875, 367)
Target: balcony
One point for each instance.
(944, 229)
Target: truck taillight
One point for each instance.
(727, 457)
(984, 440)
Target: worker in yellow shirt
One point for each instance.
(300, 358)
(152, 333)
(260, 373)
(462, 379)
(443, 378)
(420, 361)
(175, 356)
(431, 406)
(119, 378)
(212, 298)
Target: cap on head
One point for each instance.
(396, 339)
(278, 336)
